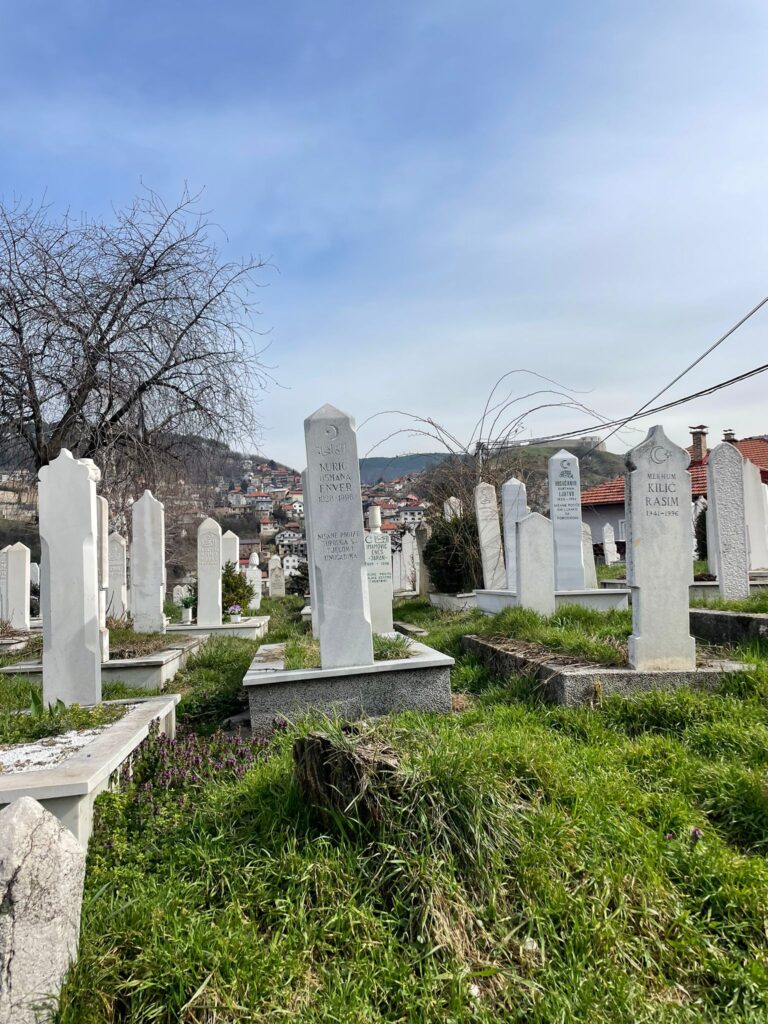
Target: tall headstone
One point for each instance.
(489, 532)
(14, 585)
(514, 506)
(310, 559)
(725, 494)
(277, 581)
(209, 610)
(659, 564)
(69, 582)
(34, 574)
(148, 565)
(754, 508)
(230, 549)
(117, 594)
(405, 571)
(535, 564)
(565, 512)
(610, 551)
(253, 576)
(378, 566)
(588, 555)
(423, 533)
(452, 508)
(337, 539)
(102, 535)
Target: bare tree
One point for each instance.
(121, 340)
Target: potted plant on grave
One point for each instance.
(234, 611)
(187, 604)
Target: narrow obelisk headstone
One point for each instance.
(452, 508)
(117, 594)
(253, 576)
(337, 544)
(565, 512)
(378, 565)
(102, 535)
(230, 549)
(14, 585)
(423, 533)
(610, 551)
(34, 574)
(489, 533)
(148, 564)
(535, 564)
(69, 581)
(514, 506)
(757, 531)
(659, 564)
(209, 610)
(725, 493)
(310, 559)
(588, 555)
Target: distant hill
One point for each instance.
(373, 470)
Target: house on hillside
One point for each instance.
(604, 503)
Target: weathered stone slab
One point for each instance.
(378, 567)
(535, 584)
(230, 549)
(565, 513)
(489, 533)
(69, 584)
(423, 533)
(610, 551)
(42, 869)
(588, 556)
(14, 585)
(209, 609)
(514, 506)
(277, 581)
(659, 564)
(117, 592)
(452, 508)
(725, 494)
(755, 514)
(148, 564)
(337, 544)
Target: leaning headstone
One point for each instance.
(659, 564)
(69, 582)
(42, 869)
(725, 493)
(102, 534)
(588, 555)
(117, 594)
(230, 549)
(452, 508)
(378, 567)
(14, 585)
(148, 565)
(310, 559)
(535, 564)
(565, 512)
(757, 527)
(337, 539)
(489, 532)
(209, 610)
(610, 551)
(514, 506)
(423, 533)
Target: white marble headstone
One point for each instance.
(535, 562)
(102, 534)
(727, 507)
(378, 566)
(610, 551)
(337, 539)
(514, 506)
(489, 533)
(659, 563)
(148, 564)
(69, 582)
(14, 585)
(230, 549)
(754, 509)
(565, 512)
(117, 594)
(34, 574)
(452, 508)
(310, 559)
(209, 609)
(588, 555)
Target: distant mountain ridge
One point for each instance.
(372, 470)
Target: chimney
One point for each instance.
(698, 442)
(728, 435)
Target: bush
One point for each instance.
(235, 588)
(452, 555)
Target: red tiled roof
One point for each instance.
(611, 492)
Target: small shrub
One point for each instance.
(452, 555)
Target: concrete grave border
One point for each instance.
(491, 602)
(253, 628)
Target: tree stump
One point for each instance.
(347, 778)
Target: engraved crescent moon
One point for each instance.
(332, 432)
(655, 454)
(565, 463)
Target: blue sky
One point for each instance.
(446, 190)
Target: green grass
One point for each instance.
(540, 865)
(172, 611)
(304, 651)
(615, 571)
(756, 603)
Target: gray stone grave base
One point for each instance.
(150, 672)
(574, 684)
(253, 628)
(419, 683)
(703, 590)
(68, 789)
(452, 602)
(718, 627)
(491, 602)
